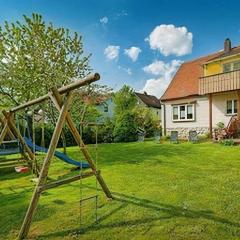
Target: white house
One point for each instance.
(203, 92)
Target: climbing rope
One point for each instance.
(82, 200)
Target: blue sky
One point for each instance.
(181, 31)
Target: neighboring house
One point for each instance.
(203, 92)
(151, 102)
(106, 109)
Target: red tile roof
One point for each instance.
(185, 82)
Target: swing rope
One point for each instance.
(34, 141)
(96, 164)
(96, 182)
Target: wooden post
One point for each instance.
(210, 115)
(3, 133)
(238, 104)
(57, 99)
(11, 135)
(46, 164)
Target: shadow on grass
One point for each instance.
(136, 153)
(126, 200)
(174, 211)
(16, 204)
(12, 176)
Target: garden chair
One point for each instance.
(174, 137)
(141, 135)
(193, 136)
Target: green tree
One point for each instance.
(125, 100)
(125, 129)
(35, 56)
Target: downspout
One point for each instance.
(164, 118)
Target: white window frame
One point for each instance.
(185, 119)
(232, 113)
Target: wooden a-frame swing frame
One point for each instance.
(63, 106)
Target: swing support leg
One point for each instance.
(13, 129)
(44, 172)
(57, 99)
(11, 135)
(9, 132)
(3, 133)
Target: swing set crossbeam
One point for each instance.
(65, 89)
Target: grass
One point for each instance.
(162, 191)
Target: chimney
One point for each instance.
(227, 45)
(145, 92)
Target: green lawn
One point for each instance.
(162, 191)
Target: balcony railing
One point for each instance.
(220, 82)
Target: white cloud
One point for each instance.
(163, 69)
(169, 39)
(104, 20)
(127, 70)
(155, 86)
(133, 53)
(164, 73)
(111, 52)
(120, 14)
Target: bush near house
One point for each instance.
(125, 129)
(129, 117)
(147, 120)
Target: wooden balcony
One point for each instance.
(220, 82)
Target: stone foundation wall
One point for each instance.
(183, 133)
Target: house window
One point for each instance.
(232, 66)
(175, 113)
(189, 112)
(231, 107)
(183, 112)
(236, 65)
(105, 108)
(227, 67)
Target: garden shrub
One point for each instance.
(220, 125)
(203, 137)
(227, 142)
(125, 129)
(106, 131)
(165, 138)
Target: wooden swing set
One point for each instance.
(61, 99)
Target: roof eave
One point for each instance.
(221, 58)
(179, 98)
